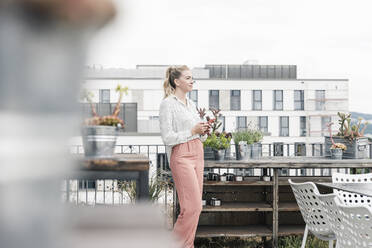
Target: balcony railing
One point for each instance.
(109, 191)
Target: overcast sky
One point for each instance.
(324, 38)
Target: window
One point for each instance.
(257, 100)
(87, 184)
(300, 149)
(284, 126)
(193, 95)
(263, 123)
(278, 100)
(241, 122)
(278, 149)
(130, 117)
(104, 96)
(104, 109)
(302, 125)
(222, 119)
(214, 99)
(235, 100)
(325, 121)
(320, 100)
(299, 100)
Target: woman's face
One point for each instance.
(185, 82)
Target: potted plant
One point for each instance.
(351, 135)
(216, 140)
(99, 133)
(219, 142)
(247, 143)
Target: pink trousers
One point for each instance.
(187, 165)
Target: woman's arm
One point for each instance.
(168, 136)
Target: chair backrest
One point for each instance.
(357, 221)
(312, 210)
(352, 199)
(331, 203)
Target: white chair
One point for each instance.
(357, 221)
(331, 203)
(352, 199)
(351, 224)
(312, 212)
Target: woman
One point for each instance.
(181, 131)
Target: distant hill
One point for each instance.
(356, 115)
(365, 117)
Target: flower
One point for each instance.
(339, 145)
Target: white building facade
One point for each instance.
(270, 97)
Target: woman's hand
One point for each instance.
(200, 128)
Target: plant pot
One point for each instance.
(208, 153)
(256, 150)
(219, 155)
(246, 152)
(336, 153)
(266, 178)
(242, 151)
(230, 177)
(213, 176)
(356, 149)
(99, 141)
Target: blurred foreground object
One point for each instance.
(42, 54)
(73, 12)
(132, 226)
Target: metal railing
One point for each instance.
(110, 192)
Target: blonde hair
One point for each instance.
(172, 73)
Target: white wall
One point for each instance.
(153, 94)
(294, 126)
(267, 100)
(273, 125)
(246, 99)
(288, 99)
(152, 99)
(203, 99)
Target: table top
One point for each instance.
(359, 188)
(119, 162)
(291, 162)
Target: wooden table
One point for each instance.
(120, 167)
(278, 163)
(359, 188)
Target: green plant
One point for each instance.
(293, 241)
(157, 184)
(109, 120)
(218, 141)
(215, 140)
(349, 131)
(249, 135)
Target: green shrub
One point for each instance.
(249, 135)
(218, 141)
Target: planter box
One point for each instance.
(254, 151)
(99, 141)
(357, 149)
(208, 153)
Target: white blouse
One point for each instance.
(176, 121)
